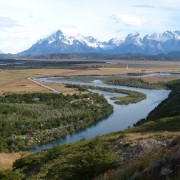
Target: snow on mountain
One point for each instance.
(116, 41)
(166, 36)
(133, 43)
(52, 38)
(70, 40)
(134, 39)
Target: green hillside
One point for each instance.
(148, 151)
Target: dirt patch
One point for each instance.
(6, 160)
(134, 136)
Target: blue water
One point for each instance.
(122, 117)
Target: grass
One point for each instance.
(132, 96)
(51, 160)
(103, 155)
(156, 79)
(129, 99)
(160, 125)
(148, 151)
(62, 88)
(134, 82)
(7, 160)
(158, 163)
(15, 81)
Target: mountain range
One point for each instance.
(58, 42)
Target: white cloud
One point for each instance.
(18, 38)
(6, 22)
(128, 20)
(69, 30)
(19, 4)
(144, 6)
(170, 1)
(23, 22)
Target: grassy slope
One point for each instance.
(169, 107)
(123, 150)
(111, 153)
(160, 158)
(166, 116)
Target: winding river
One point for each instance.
(122, 117)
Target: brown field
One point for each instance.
(160, 78)
(171, 65)
(15, 81)
(6, 160)
(63, 89)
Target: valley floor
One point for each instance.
(144, 151)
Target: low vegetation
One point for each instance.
(169, 107)
(135, 82)
(113, 156)
(66, 162)
(36, 64)
(158, 163)
(162, 124)
(132, 96)
(173, 56)
(146, 151)
(27, 120)
(166, 116)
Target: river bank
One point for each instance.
(121, 118)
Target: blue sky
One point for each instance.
(23, 22)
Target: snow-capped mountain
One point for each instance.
(166, 36)
(60, 43)
(133, 43)
(114, 42)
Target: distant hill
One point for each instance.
(172, 56)
(175, 53)
(95, 56)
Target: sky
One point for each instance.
(23, 22)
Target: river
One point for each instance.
(122, 117)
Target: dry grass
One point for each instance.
(15, 81)
(145, 135)
(161, 64)
(6, 160)
(63, 89)
(134, 139)
(161, 78)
